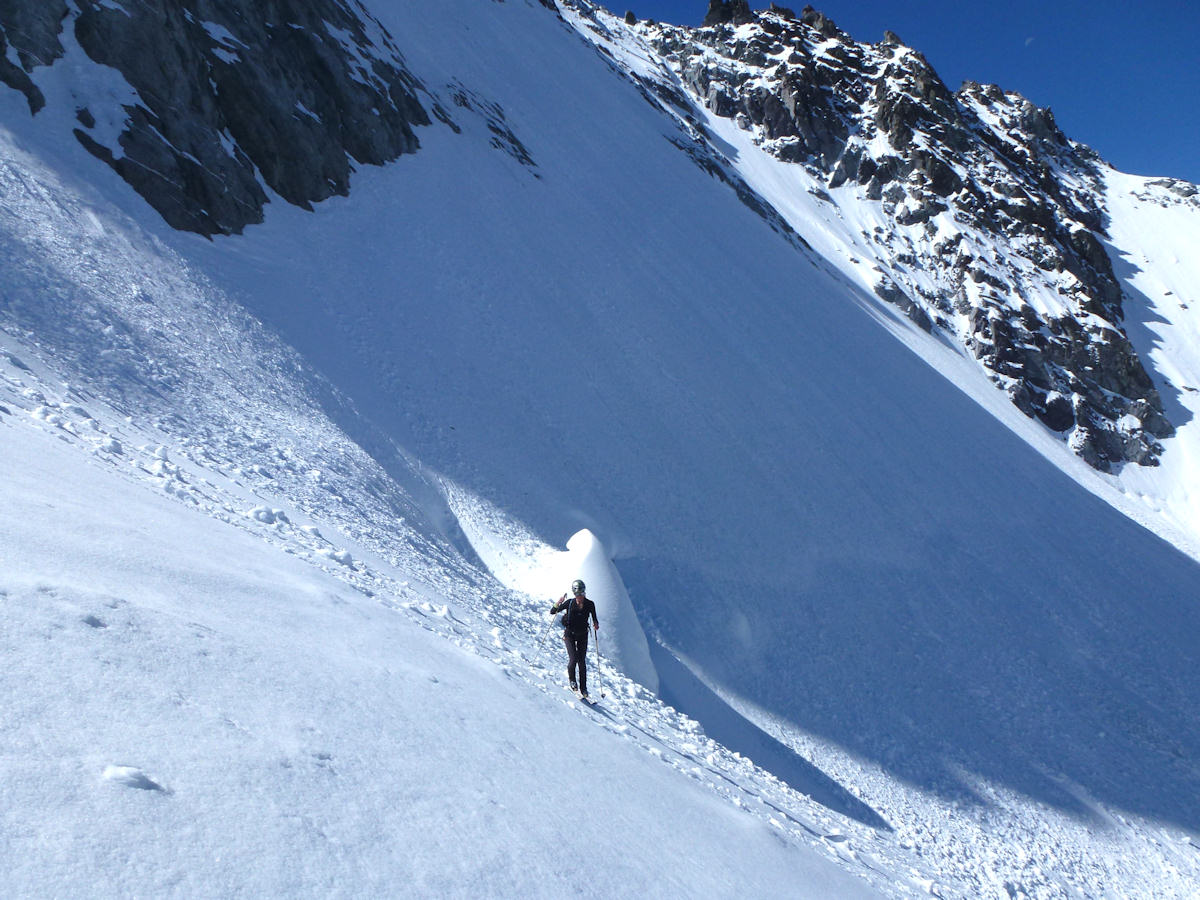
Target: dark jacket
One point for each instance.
(575, 618)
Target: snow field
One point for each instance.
(1150, 232)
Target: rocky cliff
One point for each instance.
(995, 220)
(230, 97)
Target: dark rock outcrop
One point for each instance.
(31, 29)
(728, 12)
(234, 97)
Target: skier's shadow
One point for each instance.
(721, 722)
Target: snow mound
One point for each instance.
(268, 515)
(522, 562)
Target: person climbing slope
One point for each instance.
(575, 633)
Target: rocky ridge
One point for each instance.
(230, 98)
(995, 220)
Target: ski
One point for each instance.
(588, 700)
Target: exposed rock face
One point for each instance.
(736, 12)
(31, 29)
(234, 96)
(995, 216)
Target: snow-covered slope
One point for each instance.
(190, 711)
(1153, 234)
(964, 671)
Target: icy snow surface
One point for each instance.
(283, 515)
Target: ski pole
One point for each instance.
(599, 680)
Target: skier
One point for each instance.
(575, 633)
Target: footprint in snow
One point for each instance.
(94, 622)
(324, 760)
(132, 777)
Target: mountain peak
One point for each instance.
(733, 12)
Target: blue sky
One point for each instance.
(1123, 78)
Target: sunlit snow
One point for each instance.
(283, 516)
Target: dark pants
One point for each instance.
(577, 658)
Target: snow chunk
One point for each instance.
(268, 516)
(131, 777)
(342, 557)
(16, 362)
(49, 416)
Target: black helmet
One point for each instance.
(577, 586)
